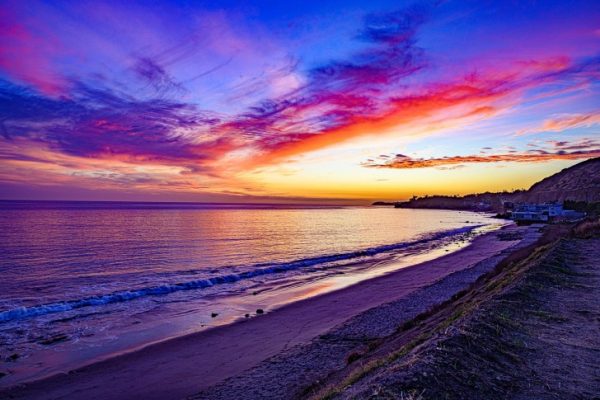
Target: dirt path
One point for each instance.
(532, 332)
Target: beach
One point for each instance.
(192, 364)
(116, 278)
(307, 200)
(526, 330)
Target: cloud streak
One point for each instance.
(583, 149)
(205, 99)
(564, 122)
(458, 161)
(98, 122)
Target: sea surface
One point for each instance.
(80, 281)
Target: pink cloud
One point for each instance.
(26, 56)
(564, 122)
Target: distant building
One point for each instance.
(529, 212)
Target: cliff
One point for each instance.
(579, 183)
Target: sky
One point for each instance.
(312, 101)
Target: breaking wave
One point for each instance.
(256, 270)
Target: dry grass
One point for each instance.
(527, 331)
(413, 334)
(503, 330)
(587, 229)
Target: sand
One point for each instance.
(187, 365)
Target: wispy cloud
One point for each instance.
(582, 149)
(481, 95)
(335, 102)
(99, 122)
(103, 121)
(564, 122)
(25, 56)
(202, 96)
(460, 161)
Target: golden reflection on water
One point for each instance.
(63, 255)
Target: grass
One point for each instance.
(432, 324)
(547, 316)
(587, 229)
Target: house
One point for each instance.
(529, 212)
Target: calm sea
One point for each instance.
(82, 280)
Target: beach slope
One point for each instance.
(183, 366)
(529, 330)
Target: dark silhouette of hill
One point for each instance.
(577, 184)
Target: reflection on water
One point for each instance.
(81, 281)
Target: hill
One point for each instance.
(580, 182)
(577, 184)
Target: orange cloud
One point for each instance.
(404, 162)
(476, 95)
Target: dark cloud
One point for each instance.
(97, 122)
(150, 72)
(396, 26)
(583, 144)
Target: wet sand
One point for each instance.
(187, 365)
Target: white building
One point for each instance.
(537, 212)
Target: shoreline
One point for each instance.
(293, 373)
(185, 365)
(55, 359)
(526, 330)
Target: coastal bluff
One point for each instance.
(581, 182)
(577, 184)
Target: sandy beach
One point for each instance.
(527, 330)
(299, 200)
(184, 366)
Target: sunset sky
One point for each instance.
(344, 101)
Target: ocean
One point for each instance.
(81, 281)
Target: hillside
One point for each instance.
(579, 183)
(524, 331)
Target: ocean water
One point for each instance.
(83, 280)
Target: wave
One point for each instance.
(256, 270)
